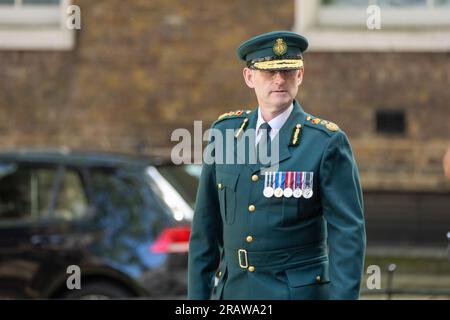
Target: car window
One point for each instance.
(126, 202)
(112, 192)
(72, 202)
(25, 192)
(184, 179)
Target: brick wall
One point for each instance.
(142, 68)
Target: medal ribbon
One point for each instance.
(302, 174)
(266, 179)
(308, 180)
(280, 179)
(273, 181)
(289, 179)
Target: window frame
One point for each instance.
(391, 37)
(35, 27)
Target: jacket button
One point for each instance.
(318, 279)
(249, 239)
(251, 208)
(220, 186)
(220, 274)
(251, 268)
(255, 177)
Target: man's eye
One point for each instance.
(291, 73)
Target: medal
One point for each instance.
(297, 185)
(287, 188)
(308, 192)
(278, 191)
(268, 190)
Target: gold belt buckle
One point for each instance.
(240, 260)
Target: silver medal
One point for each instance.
(307, 193)
(297, 193)
(268, 192)
(288, 192)
(297, 188)
(307, 190)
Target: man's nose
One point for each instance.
(279, 76)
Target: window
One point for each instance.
(27, 194)
(34, 25)
(394, 13)
(124, 202)
(340, 25)
(184, 179)
(390, 122)
(72, 203)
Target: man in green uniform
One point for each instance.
(291, 231)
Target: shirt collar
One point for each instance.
(277, 122)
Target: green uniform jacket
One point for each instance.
(280, 248)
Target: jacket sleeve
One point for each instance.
(342, 204)
(205, 239)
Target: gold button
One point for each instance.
(249, 239)
(318, 279)
(255, 177)
(251, 268)
(251, 208)
(220, 274)
(220, 186)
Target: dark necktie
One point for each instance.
(265, 141)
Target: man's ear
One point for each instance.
(300, 76)
(248, 77)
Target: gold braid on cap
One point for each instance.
(277, 64)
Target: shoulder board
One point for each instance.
(234, 114)
(327, 126)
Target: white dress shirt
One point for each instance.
(276, 123)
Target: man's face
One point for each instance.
(274, 89)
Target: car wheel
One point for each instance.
(98, 291)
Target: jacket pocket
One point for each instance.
(226, 185)
(283, 212)
(309, 282)
(289, 211)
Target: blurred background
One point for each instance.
(86, 116)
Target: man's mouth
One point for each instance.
(279, 91)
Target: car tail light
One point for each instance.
(172, 240)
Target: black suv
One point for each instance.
(112, 223)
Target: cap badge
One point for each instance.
(280, 47)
